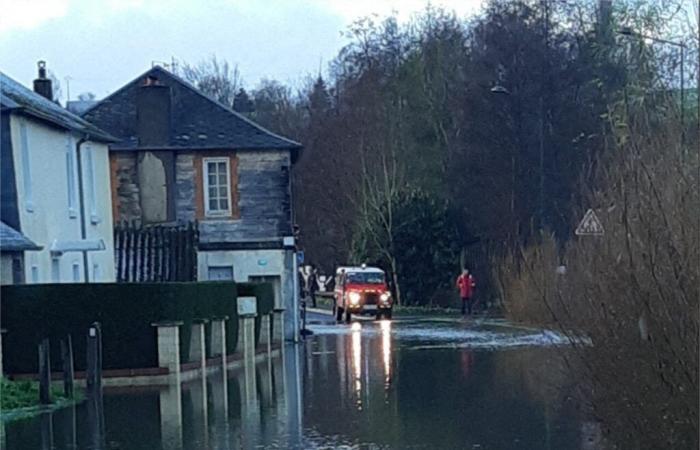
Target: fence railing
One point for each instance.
(155, 253)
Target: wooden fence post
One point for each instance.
(68, 372)
(44, 372)
(126, 252)
(117, 255)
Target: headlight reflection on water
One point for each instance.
(357, 361)
(385, 326)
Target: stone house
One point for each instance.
(182, 157)
(54, 182)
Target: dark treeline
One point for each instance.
(444, 141)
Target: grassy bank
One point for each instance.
(401, 310)
(19, 399)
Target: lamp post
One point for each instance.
(627, 31)
(502, 90)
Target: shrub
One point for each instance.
(633, 292)
(125, 312)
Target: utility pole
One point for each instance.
(543, 87)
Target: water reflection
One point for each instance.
(216, 412)
(385, 326)
(357, 363)
(364, 386)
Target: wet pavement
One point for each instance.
(411, 383)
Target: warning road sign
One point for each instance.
(590, 225)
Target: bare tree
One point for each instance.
(215, 78)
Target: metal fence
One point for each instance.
(155, 253)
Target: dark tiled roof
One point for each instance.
(14, 96)
(197, 121)
(80, 106)
(12, 240)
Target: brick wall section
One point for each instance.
(125, 189)
(186, 183)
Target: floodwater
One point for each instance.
(402, 384)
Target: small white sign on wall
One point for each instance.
(247, 306)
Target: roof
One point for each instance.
(358, 269)
(80, 106)
(12, 240)
(16, 97)
(197, 121)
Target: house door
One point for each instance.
(220, 273)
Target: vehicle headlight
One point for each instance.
(385, 297)
(354, 297)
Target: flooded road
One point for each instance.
(408, 383)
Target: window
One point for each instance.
(70, 178)
(56, 269)
(94, 218)
(35, 273)
(76, 271)
(26, 172)
(217, 195)
(220, 273)
(96, 272)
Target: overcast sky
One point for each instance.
(102, 44)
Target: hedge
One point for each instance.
(265, 294)
(126, 312)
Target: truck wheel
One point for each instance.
(348, 316)
(379, 315)
(387, 314)
(338, 314)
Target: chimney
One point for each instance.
(605, 10)
(153, 113)
(42, 85)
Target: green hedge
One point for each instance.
(265, 294)
(125, 310)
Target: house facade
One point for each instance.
(184, 157)
(55, 189)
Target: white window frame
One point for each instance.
(205, 184)
(70, 179)
(26, 169)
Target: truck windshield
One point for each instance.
(365, 277)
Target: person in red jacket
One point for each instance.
(466, 284)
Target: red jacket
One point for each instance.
(466, 285)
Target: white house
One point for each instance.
(55, 187)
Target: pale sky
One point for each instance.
(103, 44)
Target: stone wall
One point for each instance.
(125, 187)
(185, 191)
(263, 200)
(261, 194)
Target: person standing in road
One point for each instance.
(466, 284)
(312, 283)
(302, 284)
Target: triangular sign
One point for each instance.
(590, 225)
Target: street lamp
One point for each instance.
(498, 89)
(502, 90)
(627, 31)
